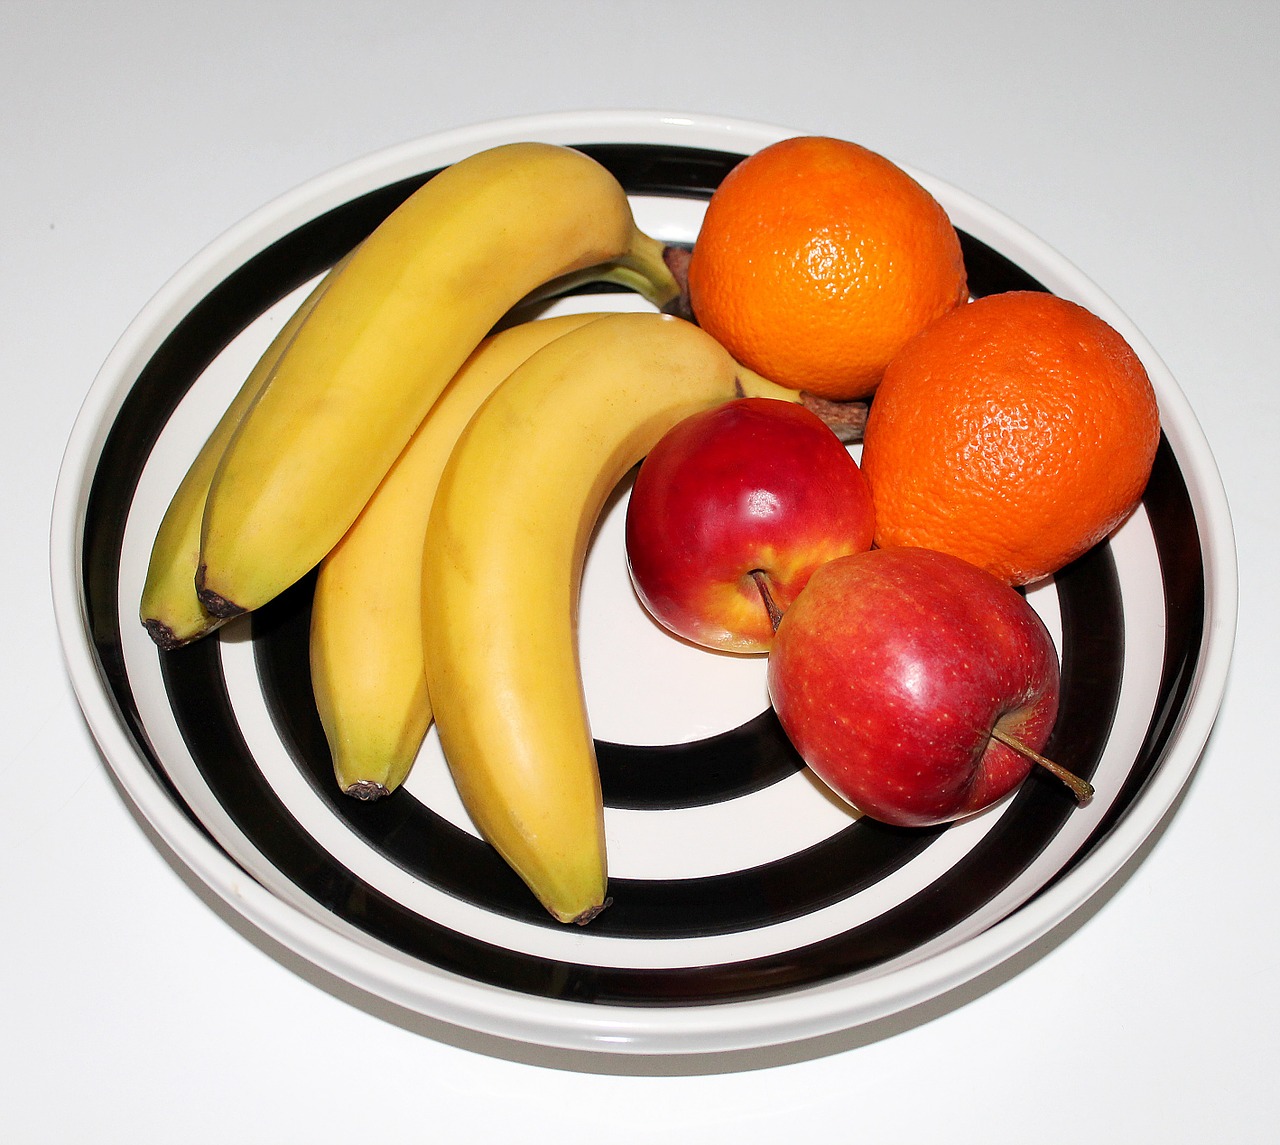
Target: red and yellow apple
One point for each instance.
(914, 684)
(732, 511)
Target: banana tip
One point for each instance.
(366, 790)
(587, 915)
(215, 603)
(169, 640)
(162, 634)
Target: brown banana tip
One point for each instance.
(219, 606)
(215, 604)
(587, 915)
(366, 790)
(162, 634)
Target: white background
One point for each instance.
(1142, 140)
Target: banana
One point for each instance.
(169, 609)
(391, 330)
(505, 544)
(367, 670)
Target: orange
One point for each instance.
(816, 261)
(1016, 432)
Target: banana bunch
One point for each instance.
(386, 334)
(333, 401)
(454, 591)
(513, 514)
(170, 609)
(367, 656)
(446, 482)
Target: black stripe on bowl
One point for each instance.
(1168, 506)
(725, 766)
(644, 908)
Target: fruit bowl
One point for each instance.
(749, 908)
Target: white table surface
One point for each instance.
(1142, 140)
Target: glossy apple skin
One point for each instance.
(755, 484)
(889, 672)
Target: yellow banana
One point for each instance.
(391, 330)
(170, 609)
(367, 669)
(505, 545)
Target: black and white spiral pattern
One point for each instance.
(733, 876)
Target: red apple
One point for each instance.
(903, 677)
(733, 510)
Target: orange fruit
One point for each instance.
(816, 261)
(1016, 432)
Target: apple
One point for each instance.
(732, 511)
(917, 686)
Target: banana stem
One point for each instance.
(846, 419)
(642, 269)
(647, 263)
(676, 260)
(1082, 789)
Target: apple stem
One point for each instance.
(1082, 789)
(771, 606)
